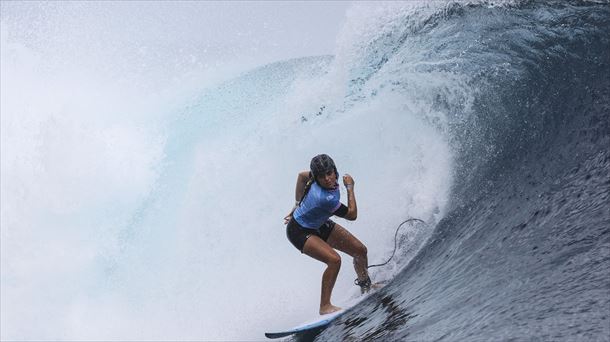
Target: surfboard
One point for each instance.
(311, 327)
(316, 326)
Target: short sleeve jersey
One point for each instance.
(317, 207)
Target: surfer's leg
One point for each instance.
(320, 250)
(341, 239)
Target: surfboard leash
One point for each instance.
(396, 240)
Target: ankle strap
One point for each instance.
(366, 283)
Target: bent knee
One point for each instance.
(334, 260)
(361, 250)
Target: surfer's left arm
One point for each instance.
(352, 209)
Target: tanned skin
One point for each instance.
(340, 239)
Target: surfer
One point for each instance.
(311, 231)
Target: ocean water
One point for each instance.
(143, 201)
(523, 251)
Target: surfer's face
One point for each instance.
(328, 180)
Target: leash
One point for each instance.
(396, 241)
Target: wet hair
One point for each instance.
(310, 181)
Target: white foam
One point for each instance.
(110, 234)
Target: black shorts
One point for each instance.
(297, 234)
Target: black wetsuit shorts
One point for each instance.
(298, 234)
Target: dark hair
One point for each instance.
(307, 186)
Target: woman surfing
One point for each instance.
(310, 229)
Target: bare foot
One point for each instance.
(326, 309)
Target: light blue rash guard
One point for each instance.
(317, 207)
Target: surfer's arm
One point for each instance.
(302, 179)
(352, 209)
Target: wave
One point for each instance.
(522, 251)
(487, 120)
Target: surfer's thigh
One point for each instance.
(316, 248)
(341, 239)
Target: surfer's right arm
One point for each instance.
(302, 179)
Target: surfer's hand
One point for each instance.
(348, 180)
(287, 218)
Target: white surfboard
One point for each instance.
(319, 324)
(323, 321)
